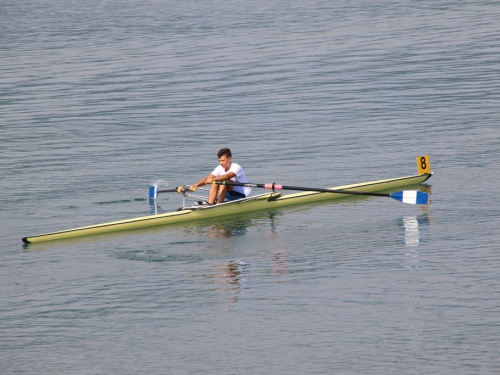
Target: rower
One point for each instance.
(226, 171)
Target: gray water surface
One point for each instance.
(100, 99)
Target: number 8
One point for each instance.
(423, 164)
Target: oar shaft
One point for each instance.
(274, 186)
(174, 190)
(153, 191)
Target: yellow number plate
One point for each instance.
(424, 166)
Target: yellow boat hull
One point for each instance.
(260, 202)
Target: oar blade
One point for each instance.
(411, 197)
(153, 191)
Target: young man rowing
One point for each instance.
(227, 170)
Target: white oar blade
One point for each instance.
(411, 197)
(153, 191)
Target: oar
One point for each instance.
(405, 196)
(153, 191)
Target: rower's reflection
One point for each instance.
(233, 277)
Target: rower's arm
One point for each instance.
(224, 177)
(208, 180)
(203, 181)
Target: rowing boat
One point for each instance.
(265, 201)
(253, 203)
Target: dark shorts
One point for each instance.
(232, 195)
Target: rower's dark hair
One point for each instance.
(224, 152)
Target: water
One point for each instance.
(100, 99)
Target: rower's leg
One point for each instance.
(218, 193)
(212, 194)
(222, 193)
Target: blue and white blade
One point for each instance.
(411, 197)
(153, 192)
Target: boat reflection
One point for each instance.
(221, 228)
(229, 230)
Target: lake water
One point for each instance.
(100, 99)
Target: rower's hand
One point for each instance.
(192, 188)
(208, 181)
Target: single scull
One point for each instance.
(254, 203)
